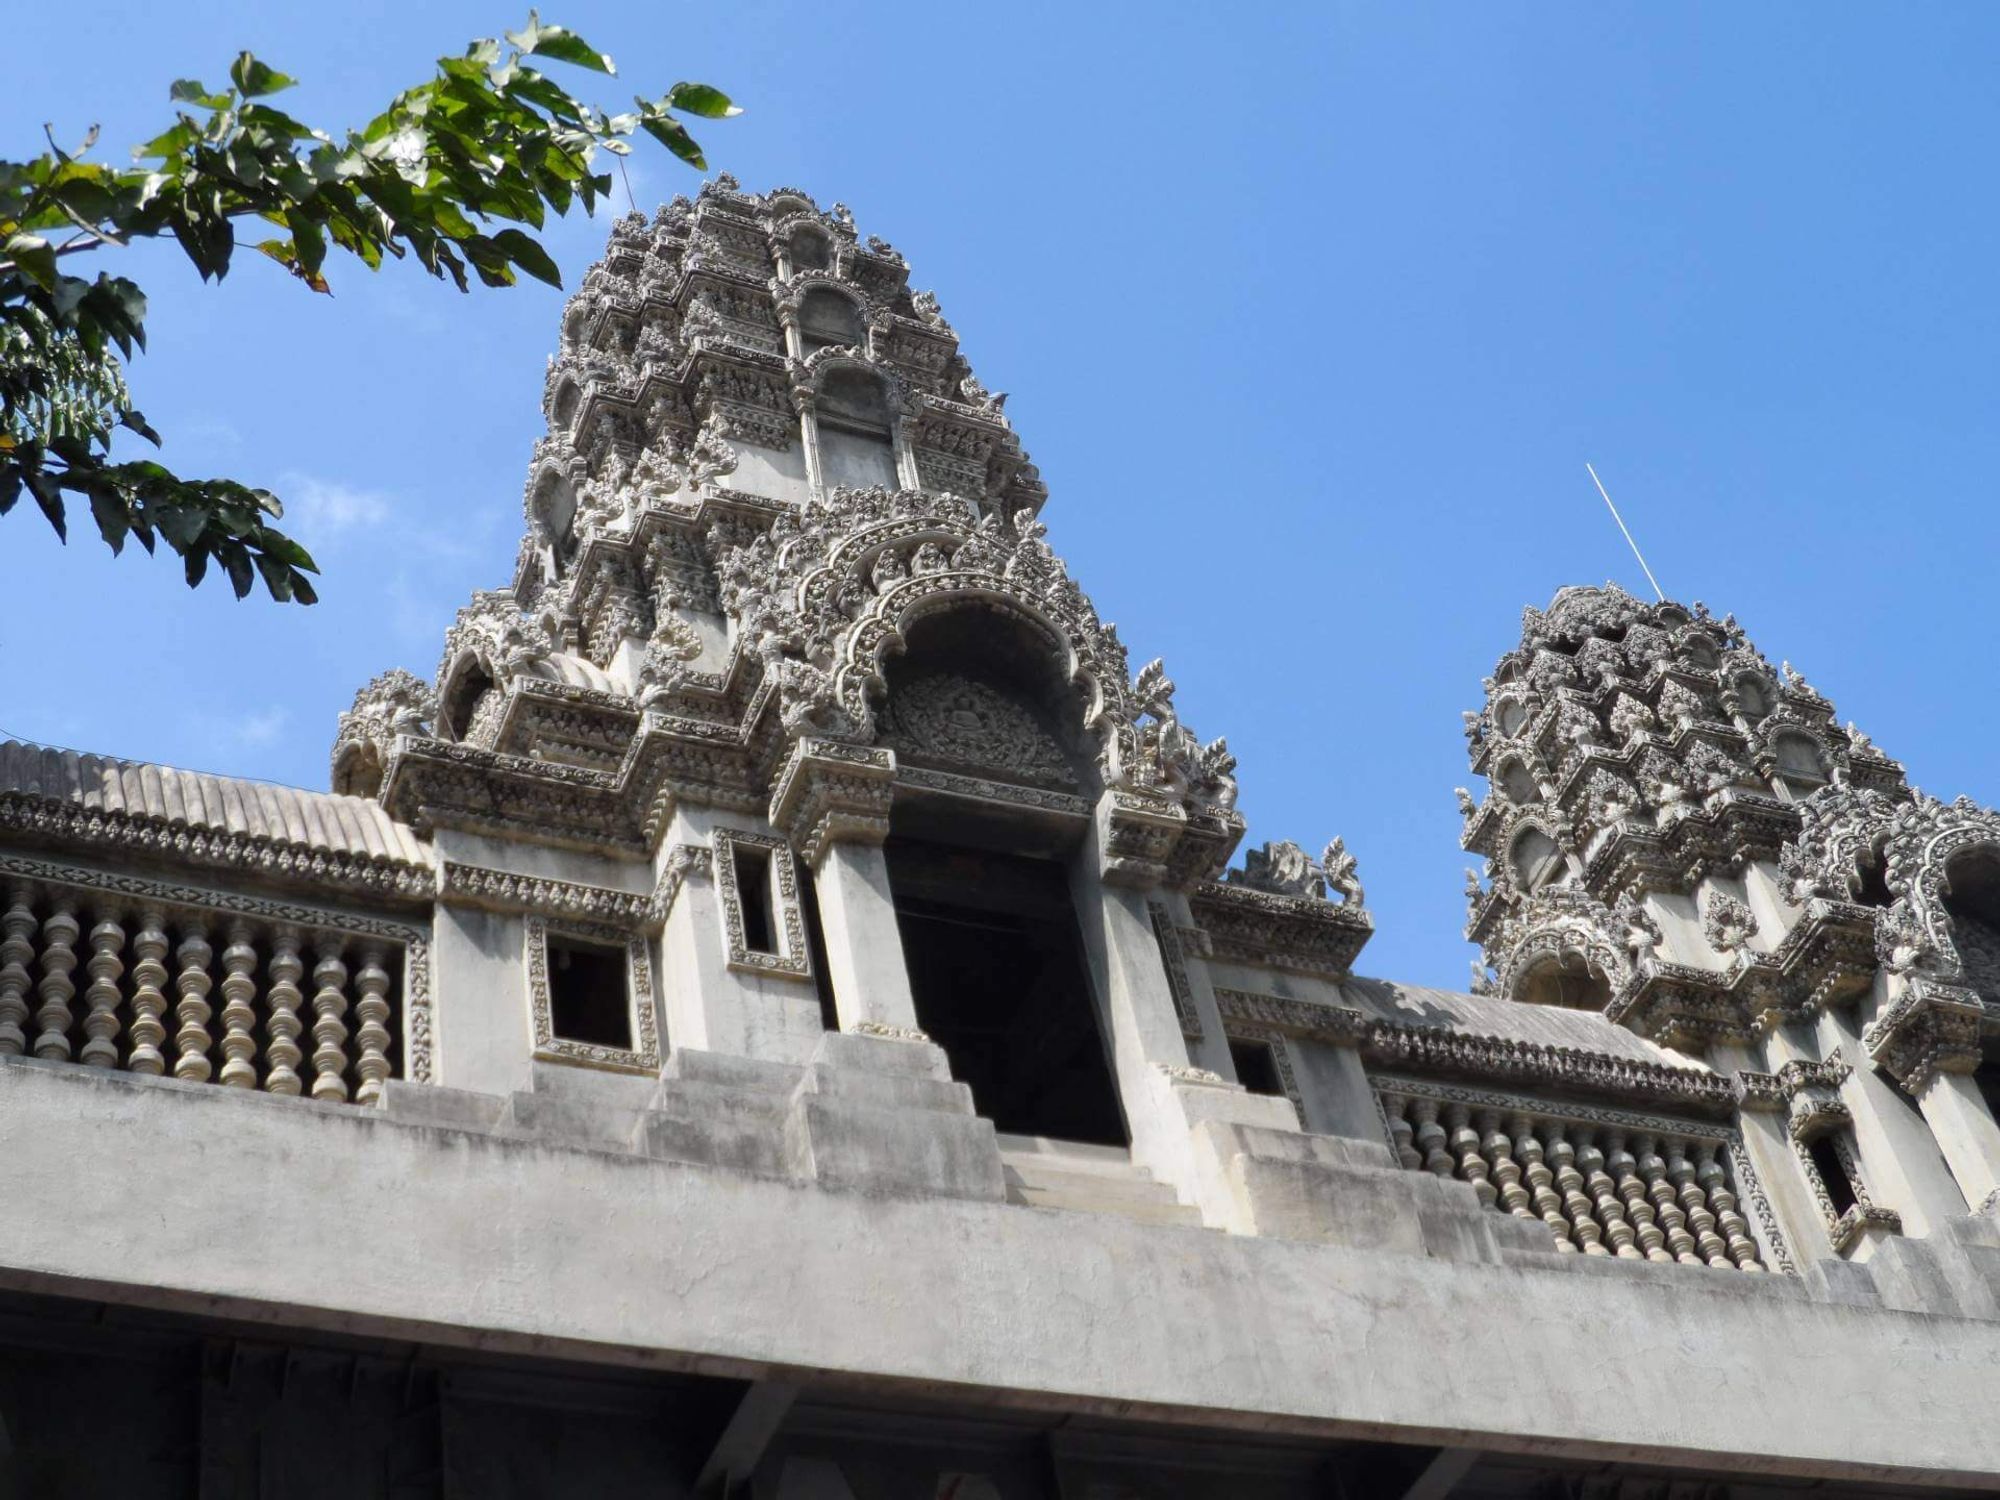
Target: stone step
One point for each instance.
(1161, 1210)
(1089, 1180)
(1127, 1187)
(1035, 1152)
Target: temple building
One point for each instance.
(787, 1011)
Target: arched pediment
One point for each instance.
(1563, 933)
(829, 596)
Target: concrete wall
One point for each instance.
(347, 1219)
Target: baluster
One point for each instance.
(1471, 1165)
(17, 951)
(329, 1031)
(1506, 1171)
(1624, 1169)
(149, 999)
(1396, 1107)
(59, 935)
(1569, 1182)
(193, 1009)
(1694, 1203)
(281, 1053)
(371, 1009)
(1431, 1139)
(1604, 1198)
(1665, 1206)
(1540, 1179)
(1715, 1182)
(100, 1025)
(239, 988)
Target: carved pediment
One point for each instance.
(945, 719)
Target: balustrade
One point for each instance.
(156, 966)
(1632, 1189)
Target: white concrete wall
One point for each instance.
(341, 1218)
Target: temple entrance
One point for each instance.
(997, 971)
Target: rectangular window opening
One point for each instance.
(1256, 1065)
(753, 898)
(589, 994)
(1832, 1173)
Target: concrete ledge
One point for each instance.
(350, 1219)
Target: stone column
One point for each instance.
(1165, 1097)
(864, 950)
(832, 801)
(1966, 1133)
(805, 402)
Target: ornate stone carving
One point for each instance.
(395, 703)
(1282, 868)
(946, 718)
(1726, 923)
(1174, 958)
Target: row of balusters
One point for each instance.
(1600, 1190)
(144, 974)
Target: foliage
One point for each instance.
(443, 176)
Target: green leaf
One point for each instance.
(671, 134)
(289, 552)
(560, 43)
(237, 562)
(113, 517)
(277, 577)
(192, 91)
(47, 490)
(181, 525)
(34, 256)
(701, 99)
(527, 253)
(254, 80)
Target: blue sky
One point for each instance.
(1311, 316)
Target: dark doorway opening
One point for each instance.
(997, 971)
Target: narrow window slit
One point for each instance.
(1832, 1173)
(753, 898)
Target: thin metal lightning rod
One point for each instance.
(1657, 590)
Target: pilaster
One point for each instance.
(864, 949)
(1966, 1133)
(1898, 1154)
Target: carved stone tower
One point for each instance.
(1684, 839)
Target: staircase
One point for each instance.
(1042, 1173)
